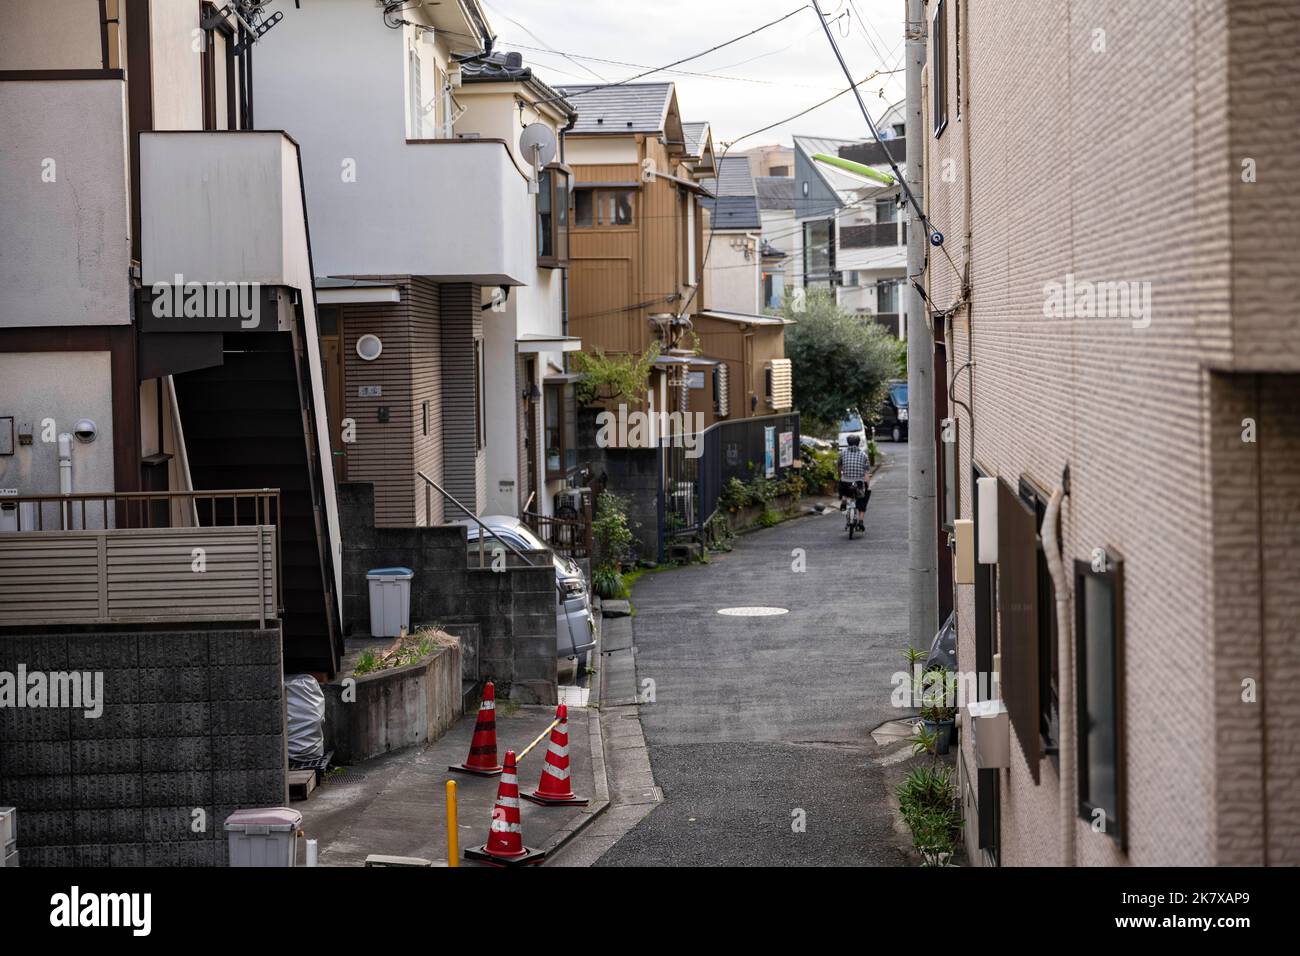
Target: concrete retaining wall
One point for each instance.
(391, 709)
(513, 608)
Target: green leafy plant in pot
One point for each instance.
(937, 693)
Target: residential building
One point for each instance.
(778, 227)
(775, 160)
(852, 238)
(637, 270)
(733, 254)
(442, 269)
(169, 519)
(1147, 369)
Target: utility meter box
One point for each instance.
(990, 727)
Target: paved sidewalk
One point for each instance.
(396, 804)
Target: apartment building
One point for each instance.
(774, 160)
(1128, 382)
(440, 254)
(851, 238)
(168, 520)
(638, 246)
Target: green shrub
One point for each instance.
(610, 531)
(767, 518)
(608, 583)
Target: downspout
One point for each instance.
(1065, 687)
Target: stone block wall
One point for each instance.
(192, 729)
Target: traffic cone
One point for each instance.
(505, 845)
(555, 788)
(482, 759)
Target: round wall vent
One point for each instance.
(369, 347)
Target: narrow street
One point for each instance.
(757, 718)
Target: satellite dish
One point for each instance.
(537, 143)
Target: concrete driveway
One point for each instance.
(759, 733)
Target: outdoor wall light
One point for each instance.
(369, 347)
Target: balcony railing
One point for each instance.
(140, 557)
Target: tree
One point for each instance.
(839, 360)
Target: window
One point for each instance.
(561, 430)
(1049, 723)
(818, 251)
(985, 647)
(1099, 632)
(603, 207)
(773, 290)
(939, 67)
(886, 296)
(1017, 602)
(779, 171)
(480, 414)
(778, 384)
(553, 216)
(721, 396)
(886, 210)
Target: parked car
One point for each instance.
(851, 424)
(893, 412)
(575, 627)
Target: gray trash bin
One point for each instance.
(264, 837)
(390, 601)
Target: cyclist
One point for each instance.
(853, 466)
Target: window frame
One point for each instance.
(939, 71)
(1049, 677)
(829, 275)
(599, 194)
(555, 180)
(557, 395)
(1116, 817)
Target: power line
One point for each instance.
(549, 47)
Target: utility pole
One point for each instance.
(923, 606)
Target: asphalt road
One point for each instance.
(759, 723)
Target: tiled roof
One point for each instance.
(508, 67)
(695, 134)
(625, 108)
(737, 203)
(775, 192)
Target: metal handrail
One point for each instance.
(573, 641)
(473, 517)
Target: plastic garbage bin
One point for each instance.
(264, 837)
(390, 600)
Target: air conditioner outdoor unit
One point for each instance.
(577, 499)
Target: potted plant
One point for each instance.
(938, 688)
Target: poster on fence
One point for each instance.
(769, 452)
(787, 449)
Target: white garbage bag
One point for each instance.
(306, 716)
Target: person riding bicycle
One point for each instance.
(853, 465)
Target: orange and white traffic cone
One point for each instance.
(505, 845)
(482, 759)
(555, 788)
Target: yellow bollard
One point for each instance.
(453, 835)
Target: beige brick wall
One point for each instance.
(1099, 146)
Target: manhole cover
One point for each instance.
(753, 611)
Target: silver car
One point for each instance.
(575, 630)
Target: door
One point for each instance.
(530, 437)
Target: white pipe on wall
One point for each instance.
(65, 475)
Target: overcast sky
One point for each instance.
(784, 69)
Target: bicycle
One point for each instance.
(851, 514)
